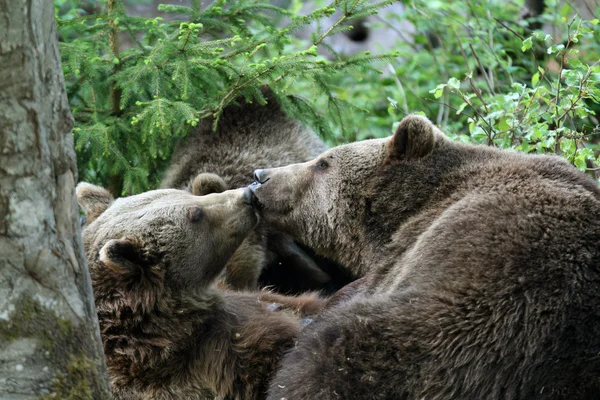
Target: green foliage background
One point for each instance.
(477, 69)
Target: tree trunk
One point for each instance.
(50, 344)
(533, 9)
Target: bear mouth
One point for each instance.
(268, 208)
(248, 196)
(254, 201)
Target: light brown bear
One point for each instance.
(249, 135)
(481, 271)
(168, 332)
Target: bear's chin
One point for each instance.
(267, 207)
(255, 202)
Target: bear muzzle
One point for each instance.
(254, 200)
(248, 196)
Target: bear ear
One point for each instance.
(207, 183)
(413, 139)
(140, 281)
(93, 200)
(124, 255)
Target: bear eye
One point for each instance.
(195, 214)
(322, 165)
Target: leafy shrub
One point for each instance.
(545, 105)
(477, 64)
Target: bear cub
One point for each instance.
(168, 332)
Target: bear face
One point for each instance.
(344, 190)
(251, 135)
(287, 194)
(169, 228)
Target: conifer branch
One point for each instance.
(129, 107)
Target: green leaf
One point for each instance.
(580, 162)
(438, 91)
(461, 108)
(575, 63)
(454, 83)
(503, 124)
(527, 44)
(555, 48)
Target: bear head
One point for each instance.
(162, 238)
(352, 197)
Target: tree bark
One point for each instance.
(50, 345)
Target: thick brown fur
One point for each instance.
(250, 135)
(481, 266)
(93, 200)
(306, 304)
(168, 332)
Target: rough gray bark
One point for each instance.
(50, 344)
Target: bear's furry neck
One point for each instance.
(453, 172)
(442, 177)
(142, 348)
(391, 192)
(195, 346)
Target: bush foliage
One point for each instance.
(477, 69)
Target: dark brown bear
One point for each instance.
(481, 266)
(168, 333)
(249, 136)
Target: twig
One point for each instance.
(400, 88)
(490, 138)
(511, 30)
(485, 75)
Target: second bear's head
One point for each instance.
(354, 196)
(163, 237)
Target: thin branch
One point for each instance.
(509, 29)
(485, 75)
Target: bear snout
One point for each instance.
(261, 175)
(248, 196)
(254, 202)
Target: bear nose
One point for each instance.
(261, 175)
(248, 196)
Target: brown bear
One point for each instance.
(168, 332)
(249, 135)
(481, 271)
